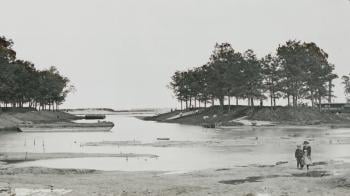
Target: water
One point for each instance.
(187, 150)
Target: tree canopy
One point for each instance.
(21, 84)
(298, 71)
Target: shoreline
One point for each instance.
(214, 118)
(48, 121)
(10, 121)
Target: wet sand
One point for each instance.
(282, 178)
(15, 157)
(330, 178)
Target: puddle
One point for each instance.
(342, 183)
(257, 194)
(37, 192)
(223, 169)
(250, 179)
(262, 166)
(319, 163)
(312, 174)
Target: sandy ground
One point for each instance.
(14, 157)
(280, 179)
(330, 178)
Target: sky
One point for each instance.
(121, 54)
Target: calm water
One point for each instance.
(234, 147)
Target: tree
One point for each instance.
(22, 84)
(293, 69)
(218, 65)
(272, 75)
(7, 54)
(234, 76)
(346, 83)
(306, 71)
(252, 77)
(300, 70)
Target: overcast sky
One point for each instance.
(121, 54)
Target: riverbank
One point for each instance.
(48, 121)
(11, 120)
(257, 116)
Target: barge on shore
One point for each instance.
(67, 127)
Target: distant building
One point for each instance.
(336, 107)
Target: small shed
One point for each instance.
(335, 107)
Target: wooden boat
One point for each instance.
(163, 138)
(209, 125)
(95, 116)
(67, 127)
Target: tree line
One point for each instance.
(298, 71)
(22, 85)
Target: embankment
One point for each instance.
(11, 120)
(231, 116)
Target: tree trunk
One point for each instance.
(271, 97)
(221, 100)
(236, 100)
(330, 91)
(319, 102)
(229, 103)
(293, 98)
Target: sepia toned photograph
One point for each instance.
(175, 98)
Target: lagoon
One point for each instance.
(189, 148)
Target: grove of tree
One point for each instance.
(22, 85)
(298, 72)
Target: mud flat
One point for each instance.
(15, 157)
(66, 127)
(331, 178)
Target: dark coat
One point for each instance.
(299, 153)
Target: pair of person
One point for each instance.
(303, 155)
